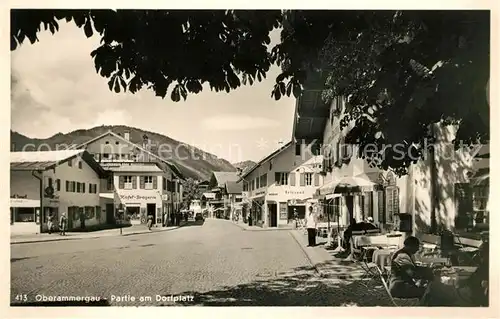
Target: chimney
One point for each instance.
(126, 135)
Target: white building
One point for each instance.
(281, 183)
(112, 150)
(138, 187)
(66, 181)
(448, 190)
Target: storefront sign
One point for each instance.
(272, 194)
(24, 202)
(19, 196)
(51, 202)
(294, 192)
(136, 197)
(260, 193)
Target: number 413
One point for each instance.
(21, 297)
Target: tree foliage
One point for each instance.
(190, 191)
(158, 49)
(400, 70)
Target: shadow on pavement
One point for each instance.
(299, 287)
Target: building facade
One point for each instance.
(114, 151)
(446, 190)
(234, 192)
(53, 182)
(278, 187)
(216, 198)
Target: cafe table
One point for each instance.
(382, 257)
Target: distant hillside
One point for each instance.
(191, 161)
(245, 165)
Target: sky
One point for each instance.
(55, 88)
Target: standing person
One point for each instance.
(63, 221)
(150, 221)
(172, 218)
(50, 222)
(311, 223)
(165, 219)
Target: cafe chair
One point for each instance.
(398, 302)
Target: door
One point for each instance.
(151, 210)
(349, 202)
(273, 214)
(110, 213)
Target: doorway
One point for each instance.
(150, 211)
(272, 208)
(110, 213)
(349, 203)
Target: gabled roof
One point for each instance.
(133, 168)
(223, 177)
(44, 160)
(268, 157)
(234, 187)
(172, 166)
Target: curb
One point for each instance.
(260, 229)
(90, 237)
(304, 251)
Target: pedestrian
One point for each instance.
(165, 220)
(311, 223)
(178, 218)
(63, 221)
(172, 218)
(150, 221)
(50, 223)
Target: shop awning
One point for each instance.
(331, 196)
(24, 202)
(348, 184)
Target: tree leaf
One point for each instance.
(117, 85)
(175, 95)
(88, 28)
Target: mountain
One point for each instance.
(245, 165)
(191, 161)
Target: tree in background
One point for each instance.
(401, 71)
(191, 191)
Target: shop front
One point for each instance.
(284, 205)
(24, 215)
(137, 207)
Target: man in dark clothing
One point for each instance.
(172, 218)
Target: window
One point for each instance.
(281, 178)
(257, 182)
(471, 204)
(92, 188)
(308, 178)
(148, 182)
(98, 212)
(298, 149)
(58, 184)
(107, 142)
(105, 156)
(80, 165)
(392, 202)
(67, 186)
(263, 180)
(89, 212)
(117, 143)
(366, 204)
(78, 187)
(245, 186)
(109, 183)
(73, 186)
(128, 182)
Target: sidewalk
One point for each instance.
(245, 226)
(126, 231)
(324, 261)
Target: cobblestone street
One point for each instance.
(217, 263)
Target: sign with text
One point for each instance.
(137, 197)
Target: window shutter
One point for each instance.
(58, 184)
(83, 187)
(277, 178)
(302, 179)
(292, 178)
(142, 182)
(155, 182)
(164, 183)
(121, 182)
(395, 197)
(67, 186)
(134, 182)
(316, 179)
(381, 207)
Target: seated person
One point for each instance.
(405, 273)
(472, 292)
(348, 233)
